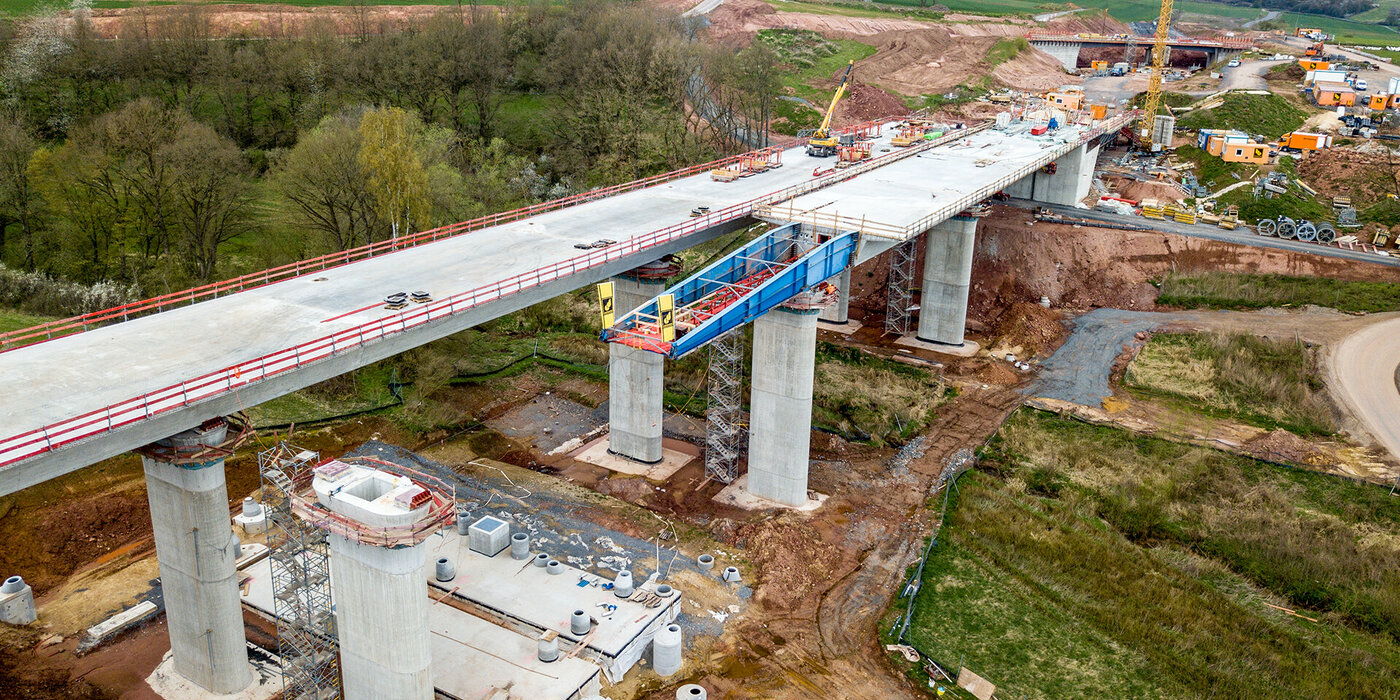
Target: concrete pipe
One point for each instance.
(691, 691)
(554, 568)
(664, 591)
(13, 584)
(1268, 227)
(520, 546)
(622, 585)
(580, 623)
(541, 559)
(1325, 233)
(445, 571)
(1307, 231)
(731, 574)
(666, 650)
(237, 547)
(549, 650)
(464, 524)
(705, 561)
(1287, 228)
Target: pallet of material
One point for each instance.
(725, 175)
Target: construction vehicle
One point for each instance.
(1159, 61)
(1316, 49)
(823, 143)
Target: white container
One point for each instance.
(666, 650)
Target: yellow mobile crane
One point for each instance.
(1159, 61)
(823, 143)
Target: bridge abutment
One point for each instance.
(195, 549)
(780, 418)
(947, 274)
(1066, 52)
(635, 380)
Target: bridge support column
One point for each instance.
(947, 274)
(839, 312)
(780, 420)
(381, 589)
(635, 381)
(1021, 189)
(194, 548)
(381, 616)
(1074, 172)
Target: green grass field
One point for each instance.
(1082, 561)
(1220, 290)
(11, 320)
(1268, 115)
(1264, 382)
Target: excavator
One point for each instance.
(822, 142)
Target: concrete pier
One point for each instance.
(380, 586)
(635, 381)
(839, 312)
(947, 274)
(195, 549)
(1074, 173)
(780, 421)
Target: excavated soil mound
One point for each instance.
(1139, 190)
(936, 59)
(865, 102)
(1083, 23)
(1367, 177)
(1036, 329)
(792, 559)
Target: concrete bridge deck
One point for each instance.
(85, 397)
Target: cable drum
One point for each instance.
(1325, 233)
(1268, 227)
(1287, 229)
(1307, 231)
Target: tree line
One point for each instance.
(166, 156)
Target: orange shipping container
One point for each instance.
(1313, 64)
(1246, 153)
(1380, 101)
(1098, 111)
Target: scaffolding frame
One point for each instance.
(899, 297)
(724, 433)
(307, 641)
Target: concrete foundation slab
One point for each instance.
(673, 457)
(737, 495)
(847, 328)
(167, 683)
(967, 349)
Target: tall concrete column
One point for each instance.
(1074, 172)
(839, 311)
(1021, 189)
(635, 381)
(947, 274)
(780, 420)
(381, 617)
(194, 548)
(379, 581)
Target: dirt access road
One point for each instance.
(1364, 371)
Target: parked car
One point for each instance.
(1361, 86)
(1235, 63)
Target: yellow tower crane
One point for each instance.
(1159, 61)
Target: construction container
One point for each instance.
(1313, 64)
(1304, 141)
(1162, 126)
(1098, 111)
(1332, 94)
(1378, 101)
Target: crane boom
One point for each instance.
(822, 143)
(1159, 61)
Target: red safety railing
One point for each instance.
(38, 441)
(1227, 43)
(78, 324)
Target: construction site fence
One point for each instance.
(207, 386)
(77, 324)
(880, 230)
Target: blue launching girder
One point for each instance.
(751, 281)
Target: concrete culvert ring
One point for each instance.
(706, 561)
(691, 691)
(664, 591)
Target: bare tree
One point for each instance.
(212, 193)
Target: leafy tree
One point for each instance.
(212, 194)
(323, 178)
(19, 205)
(397, 178)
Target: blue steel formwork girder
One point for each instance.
(751, 281)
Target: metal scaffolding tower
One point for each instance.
(301, 583)
(724, 436)
(899, 299)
